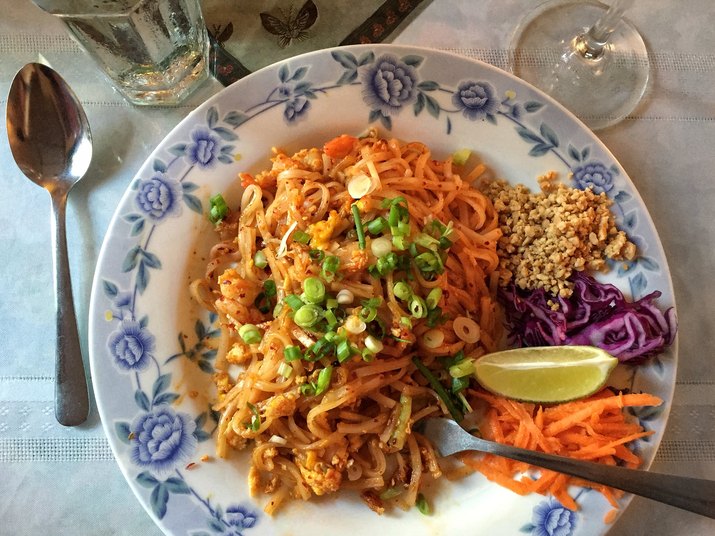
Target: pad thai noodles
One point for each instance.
(341, 282)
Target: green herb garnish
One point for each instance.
(218, 208)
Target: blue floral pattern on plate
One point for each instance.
(146, 351)
(551, 518)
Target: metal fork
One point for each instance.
(692, 494)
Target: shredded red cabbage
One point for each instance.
(596, 314)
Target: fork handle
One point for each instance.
(692, 494)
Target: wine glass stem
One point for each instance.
(592, 43)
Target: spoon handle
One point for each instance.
(71, 395)
(692, 494)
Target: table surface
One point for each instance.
(69, 475)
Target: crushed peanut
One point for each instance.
(549, 234)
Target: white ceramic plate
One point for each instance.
(150, 364)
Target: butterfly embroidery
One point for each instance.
(222, 33)
(291, 25)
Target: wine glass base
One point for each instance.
(602, 91)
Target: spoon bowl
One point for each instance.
(51, 143)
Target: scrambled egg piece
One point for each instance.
(320, 476)
(310, 158)
(281, 405)
(322, 231)
(232, 286)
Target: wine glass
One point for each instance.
(586, 56)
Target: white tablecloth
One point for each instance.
(65, 481)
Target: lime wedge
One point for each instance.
(547, 374)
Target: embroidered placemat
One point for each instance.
(248, 35)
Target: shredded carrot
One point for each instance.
(610, 516)
(593, 429)
(340, 146)
(246, 179)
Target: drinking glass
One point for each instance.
(154, 51)
(586, 56)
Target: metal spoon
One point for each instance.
(692, 494)
(52, 145)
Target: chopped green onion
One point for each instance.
(285, 370)
(388, 263)
(391, 493)
(465, 403)
(269, 288)
(218, 208)
(394, 216)
(453, 360)
(320, 349)
(448, 229)
(344, 297)
(402, 229)
(428, 262)
(260, 260)
(277, 310)
(331, 318)
(292, 353)
(433, 338)
(422, 505)
(417, 307)
(373, 344)
(463, 368)
(255, 418)
(367, 356)
(314, 290)
(377, 226)
(293, 301)
(438, 226)
(372, 302)
(330, 336)
(406, 321)
(399, 434)
(402, 290)
(354, 325)
(323, 382)
(358, 226)
(381, 246)
(330, 266)
(445, 243)
(249, 334)
(399, 242)
(316, 254)
(439, 389)
(301, 236)
(307, 389)
(343, 350)
(308, 316)
(395, 201)
(433, 298)
(367, 314)
(426, 241)
(460, 384)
